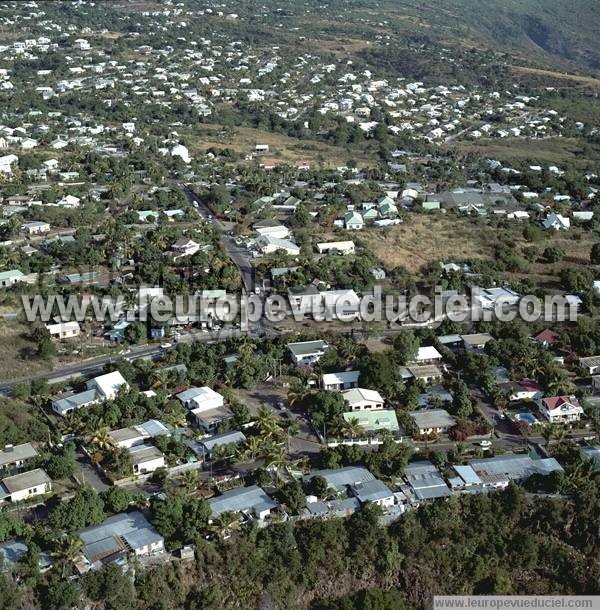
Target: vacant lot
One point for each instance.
(282, 147)
(423, 239)
(551, 150)
(16, 355)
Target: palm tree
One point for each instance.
(225, 523)
(189, 480)
(352, 428)
(67, 551)
(160, 379)
(557, 382)
(552, 431)
(252, 450)
(277, 461)
(297, 392)
(267, 423)
(176, 416)
(74, 424)
(101, 438)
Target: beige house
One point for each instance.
(361, 399)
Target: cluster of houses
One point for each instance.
(343, 492)
(367, 408)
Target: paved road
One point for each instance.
(86, 474)
(239, 256)
(96, 366)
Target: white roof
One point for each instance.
(281, 244)
(359, 394)
(428, 353)
(339, 245)
(62, 326)
(109, 384)
(343, 377)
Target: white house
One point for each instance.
(118, 536)
(10, 278)
(252, 502)
(353, 221)
(146, 458)
(268, 244)
(591, 364)
(557, 222)
(35, 227)
(69, 201)
(361, 399)
(15, 456)
(181, 152)
(428, 354)
(476, 342)
(336, 247)
(432, 421)
(560, 409)
(64, 330)
(343, 304)
(22, 487)
(6, 163)
(338, 382)
(185, 247)
(207, 406)
(201, 398)
(307, 352)
(108, 385)
(272, 228)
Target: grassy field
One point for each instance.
(551, 150)
(282, 147)
(17, 350)
(423, 239)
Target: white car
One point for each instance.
(485, 444)
(166, 345)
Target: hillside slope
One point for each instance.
(566, 30)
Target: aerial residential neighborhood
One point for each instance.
(299, 303)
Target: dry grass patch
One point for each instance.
(423, 239)
(281, 147)
(17, 353)
(551, 150)
(587, 81)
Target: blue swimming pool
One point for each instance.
(527, 417)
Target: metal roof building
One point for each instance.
(126, 532)
(516, 467)
(14, 454)
(341, 478)
(245, 500)
(426, 481)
